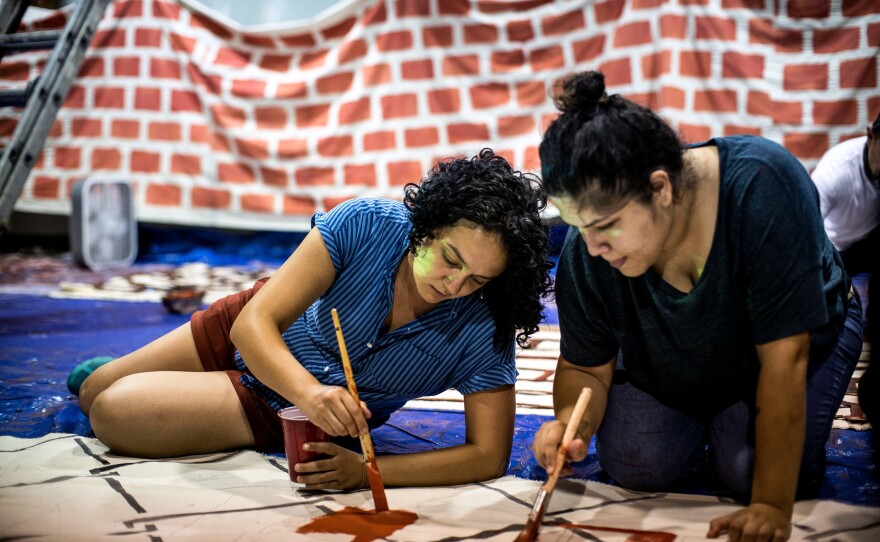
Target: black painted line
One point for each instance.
(89, 452)
(148, 528)
(529, 504)
(55, 480)
(326, 509)
(833, 532)
(131, 523)
(117, 487)
(582, 533)
(20, 537)
(606, 504)
(806, 528)
(275, 462)
(37, 444)
(507, 495)
(108, 466)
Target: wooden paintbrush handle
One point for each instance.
(343, 352)
(367, 447)
(376, 485)
(570, 429)
(366, 441)
(575, 420)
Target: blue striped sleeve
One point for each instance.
(494, 370)
(360, 228)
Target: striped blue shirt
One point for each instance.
(449, 347)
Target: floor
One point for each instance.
(42, 337)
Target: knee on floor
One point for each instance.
(92, 386)
(734, 470)
(88, 392)
(645, 475)
(110, 415)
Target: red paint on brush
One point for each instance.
(529, 533)
(376, 486)
(536, 516)
(364, 525)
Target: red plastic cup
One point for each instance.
(297, 431)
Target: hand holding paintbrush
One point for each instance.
(530, 532)
(376, 485)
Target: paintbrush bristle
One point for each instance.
(536, 516)
(529, 533)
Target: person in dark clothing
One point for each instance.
(701, 300)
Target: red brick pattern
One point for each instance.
(219, 126)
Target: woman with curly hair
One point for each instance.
(424, 290)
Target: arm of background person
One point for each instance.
(567, 384)
(306, 275)
(779, 440)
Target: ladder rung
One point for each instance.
(14, 97)
(45, 98)
(11, 13)
(19, 96)
(29, 41)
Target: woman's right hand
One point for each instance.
(334, 410)
(546, 447)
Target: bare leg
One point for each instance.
(170, 413)
(174, 351)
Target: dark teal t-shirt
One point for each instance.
(771, 273)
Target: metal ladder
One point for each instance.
(44, 95)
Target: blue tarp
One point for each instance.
(41, 339)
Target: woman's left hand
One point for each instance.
(342, 469)
(757, 522)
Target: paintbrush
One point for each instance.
(530, 532)
(376, 485)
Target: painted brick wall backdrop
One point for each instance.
(217, 126)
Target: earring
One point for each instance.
(482, 294)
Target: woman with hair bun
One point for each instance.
(701, 300)
(424, 292)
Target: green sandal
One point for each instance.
(82, 371)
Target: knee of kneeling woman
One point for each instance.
(735, 472)
(810, 480)
(640, 477)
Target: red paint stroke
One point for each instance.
(376, 486)
(364, 525)
(635, 534)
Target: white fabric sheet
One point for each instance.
(67, 487)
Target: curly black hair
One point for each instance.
(488, 192)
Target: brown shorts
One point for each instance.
(210, 329)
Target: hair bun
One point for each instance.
(580, 91)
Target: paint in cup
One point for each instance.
(297, 431)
